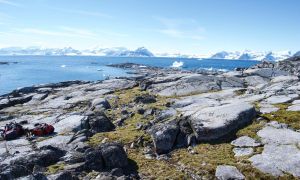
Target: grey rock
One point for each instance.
(58, 141)
(284, 79)
(46, 156)
(98, 122)
(225, 172)
(281, 154)
(267, 108)
(295, 107)
(117, 172)
(185, 85)
(256, 81)
(278, 159)
(242, 151)
(113, 155)
(281, 99)
(164, 136)
(69, 124)
(4, 103)
(94, 160)
(214, 122)
(145, 99)
(73, 157)
(168, 113)
(245, 141)
(296, 102)
(278, 135)
(266, 72)
(100, 103)
(61, 176)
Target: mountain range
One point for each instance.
(143, 52)
(251, 55)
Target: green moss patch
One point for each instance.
(55, 168)
(154, 169)
(292, 118)
(252, 129)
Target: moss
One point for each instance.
(203, 163)
(125, 134)
(292, 118)
(154, 169)
(206, 160)
(127, 96)
(55, 168)
(240, 92)
(251, 129)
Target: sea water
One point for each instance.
(25, 71)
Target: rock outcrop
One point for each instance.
(129, 128)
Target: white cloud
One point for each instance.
(81, 32)
(180, 28)
(85, 13)
(65, 31)
(62, 31)
(10, 3)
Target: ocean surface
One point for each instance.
(25, 71)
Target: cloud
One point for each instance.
(63, 31)
(69, 32)
(10, 3)
(81, 32)
(84, 13)
(180, 28)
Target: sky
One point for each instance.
(172, 26)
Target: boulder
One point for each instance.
(94, 160)
(168, 113)
(100, 103)
(113, 155)
(145, 99)
(44, 157)
(245, 141)
(164, 136)
(97, 122)
(106, 156)
(242, 151)
(69, 124)
(212, 123)
(256, 81)
(225, 172)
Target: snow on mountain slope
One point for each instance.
(39, 51)
(68, 51)
(143, 52)
(251, 55)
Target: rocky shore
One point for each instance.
(160, 124)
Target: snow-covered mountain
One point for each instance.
(119, 52)
(39, 51)
(297, 53)
(68, 51)
(251, 55)
(143, 52)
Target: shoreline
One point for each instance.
(166, 118)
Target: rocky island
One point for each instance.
(160, 124)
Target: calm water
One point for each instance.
(32, 70)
